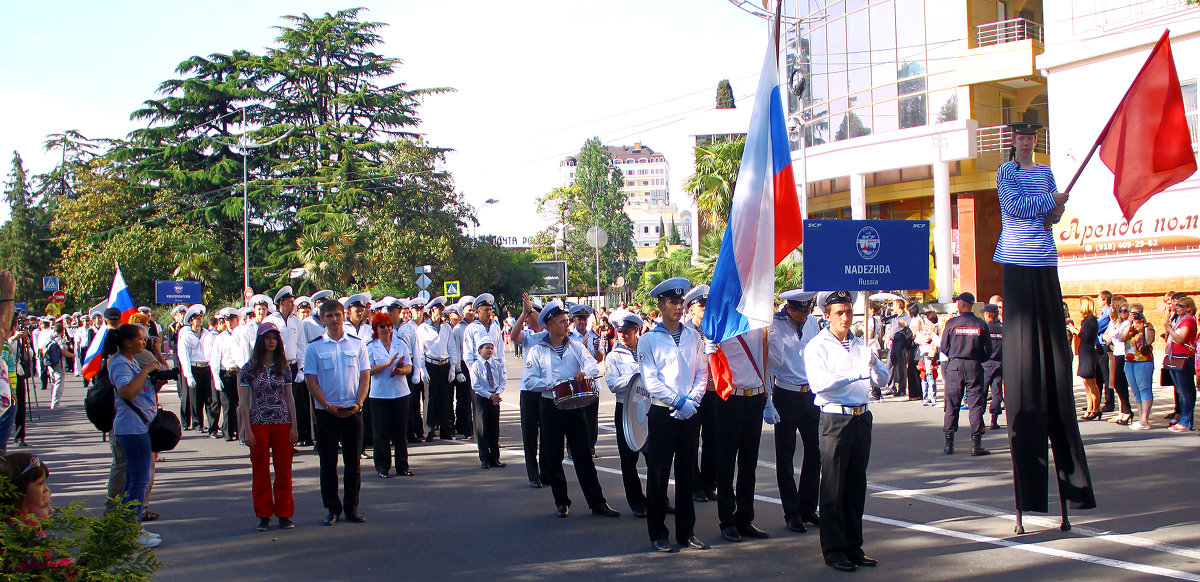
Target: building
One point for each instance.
(901, 115)
(1093, 52)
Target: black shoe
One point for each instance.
(264, 524)
(228, 439)
(752, 531)
(498, 464)
(1110, 407)
(711, 494)
(562, 510)
(413, 439)
(355, 517)
(796, 525)
(638, 510)
(606, 510)
(663, 545)
(731, 534)
(429, 438)
(949, 448)
(843, 566)
(695, 544)
(286, 523)
(447, 437)
(699, 497)
(383, 475)
(535, 484)
(330, 519)
(670, 509)
(864, 561)
(404, 473)
(811, 519)
(485, 465)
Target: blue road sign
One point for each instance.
(866, 255)
(423, 294)
(50, 284)
(450, 289)
(177, 291)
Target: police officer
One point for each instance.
(993, 376)
(554, 359)
(704, 481)
(531, 399)
(621, 367)
(791, 408)
(675, 373)
(966, 341)
(841, 370)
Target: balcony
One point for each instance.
(1004, 53)
(994, 142)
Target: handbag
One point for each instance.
(164, 429)
(1175, 362)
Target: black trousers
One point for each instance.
(797, 414)
(592, 413)
(200, 397)
(229, 403)
(185, 399)
(629, 460)
(898, 360)
(332, 432)
(531, 427)
(964, 382)
(704, 478)
(993, 384)
(487, 429)
(464, 396)
(389, 425)
(304, 411)
(914, 378)
(845, 452)
(670, 440)
(1103, 379)
(739, 424)
(571, 424)
(440, 399)
(415, 402)
(22, 395)
(1120, 383)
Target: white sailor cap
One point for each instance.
(536, 304)
(417, 303)
(673, 288)
(304, 300)
(284, 293)
(581, 310)
(799, 299)
(550, 310)
(439, 301)
(260, 298)
(77, 314)
(321, 295)
(401, 302)
(245, 312)
(98, 313)
(227, 312)
(143, 309)
(483, 337)
(623, 319)
(361, 299)
(454, 308)
(177, 309)
(195, 310)
(387, 302)
(378, 305)
(466, 300)
(698, 293)
(483, 299)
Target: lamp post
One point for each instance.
(475, 226)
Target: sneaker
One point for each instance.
(286, 523)
(146, 541)
(150, 533)
(264, 524)
(1179, 428)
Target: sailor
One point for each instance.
(791, 409)
(621, 367)
(311, 329)
(966, 341)
(993, 375)
(489, 379)
(463, 394)
(554, 360)
(224, 372)
(358, 325)
(171, 340)
(841, 370)
(415, 316)
(247, 333)
(675, 373)
(435, 336)
(582, 333)
(303, 311)
(531, 400)
(485, 320)
(194, 343)
(704, 480)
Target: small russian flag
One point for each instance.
(120, 298)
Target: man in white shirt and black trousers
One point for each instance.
(841, 371)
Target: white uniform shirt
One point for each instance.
(289, 333)
(838, 376)
(529, 338)
(672, 371)
(244, 337)
(544, 368)
(456, 341)
(470, 349)
(619, 369)
(222, 355)
(384, 384)
(311, 329)
(408, 332)
(743, 353)
(479, 380)
(192, 350)
(436, 341)
(785, 347)
(338, 366)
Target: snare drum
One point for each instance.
(572, 394)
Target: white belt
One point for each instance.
(436, 361)
(748, 391)
(792, 387)
(199, 364)
(853, 410)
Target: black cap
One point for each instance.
(1025, 127)
(991, 308)
(835, 298)
(112, 313)
(965, 296)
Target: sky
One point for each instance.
(532, 80)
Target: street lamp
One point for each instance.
(488, 202)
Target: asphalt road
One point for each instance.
(929, 516)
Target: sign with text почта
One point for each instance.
(177, 292)
(554, 278)
(866, 255)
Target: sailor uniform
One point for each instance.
(792, 398)
(463, 394)
(436, 359)
(531, 405)
(488, 378)
(193, 364)
(739, 430)
(225, 380)
(621, 366)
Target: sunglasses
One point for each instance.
(385, 325)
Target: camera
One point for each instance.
(164, 375)
(1137, 316)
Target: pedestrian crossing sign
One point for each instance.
(450, 289)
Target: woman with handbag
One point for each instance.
(136, 404)
(1138, 338)
(1088, 330)
(1181, 360)
(267, 418)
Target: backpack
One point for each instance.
(54, 354)
(100, 402)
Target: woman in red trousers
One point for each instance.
(267, 417)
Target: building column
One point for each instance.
(858, 196)
(943, 259)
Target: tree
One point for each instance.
(851, 126)
(25, 248)
(662, 229)
(725, 95)
(595, 199)
(676, 238)
(712, 185)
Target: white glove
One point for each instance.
(687, 410)
(770, 415)
(459, 377)
(450, 375)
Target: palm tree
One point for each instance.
(712, 185)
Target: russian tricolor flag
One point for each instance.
(765, 223)
(120, 298)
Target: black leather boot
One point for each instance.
(949, 450)
(995, 425)
(977, 449)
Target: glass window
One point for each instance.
(852, 5)
(858, 51)
(911, 85)
(1189, 106)
(912, 111)
(883, 44)
(884, 92)
(910, 38)
(884, 117)
(835, 35)
(941, 40)
(818, 86)
(834, 8)
(943, 106)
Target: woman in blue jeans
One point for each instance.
(1182, 336)
(1138, 337)
(136, 406)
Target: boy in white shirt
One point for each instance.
(487, 380)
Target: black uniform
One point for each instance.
(967, 342)
(993, 375)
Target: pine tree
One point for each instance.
(725, 95)
(25, 248)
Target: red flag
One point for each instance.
(722, 377)
(1146, 144)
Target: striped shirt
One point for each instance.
(1026, 199)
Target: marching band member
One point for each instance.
(620, 368)
(582, 333)
(675, 373)
(704, 480)
(553, 360)
(531, 400)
